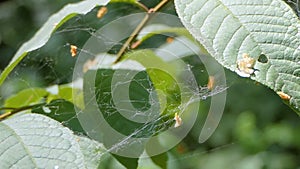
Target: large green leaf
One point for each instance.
(128, 98)
(127, 1)
(103, 111)
(36, 141)
(53, 23)
(162, 75)
(129, 163)
(32, 96)
(111, 98)
(26, 97)
(92, 151)
(267, 31)
(67, 92)
(158, 29)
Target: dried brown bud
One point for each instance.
(73, 50)
(136, 44)
(211, 82)
(178, 120)
(170, 39)
(284, 96)
(101, 12)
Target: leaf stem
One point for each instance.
(158, 6)
(131, 37)
(16, 110)
(142, 6)
(7, 108)
(5, 115)
(139, 28)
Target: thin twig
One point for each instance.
(139, 28)
(5, 115)
(16, 110)
(131, 37)
(7, 108)
(142, 6)
(158, 6)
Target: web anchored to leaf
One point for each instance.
(132, 78)
(271, 32)
(163, 94)
(148, 99)
(113, 108)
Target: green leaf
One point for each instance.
(162, 29)
(36, 141)
(66, 92)
(127, 1)
(268, 31)
(160, 160)
(33, 96)
(128, 98)
(104, 110)
(162, 75)
(62, 111)
(138, 97)
(26, 97)
(129, 163)
(92, 151)
(44, 33)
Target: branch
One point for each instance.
(139, 28)
(16, 110)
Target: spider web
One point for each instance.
(53, 65)
(158, 125)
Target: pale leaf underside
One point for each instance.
(231, 28)
(36, 141)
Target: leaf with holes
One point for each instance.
(36, 141)
(257, 39)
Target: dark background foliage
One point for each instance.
(257, 129)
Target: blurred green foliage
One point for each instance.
(257, 130)
(19, 21)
